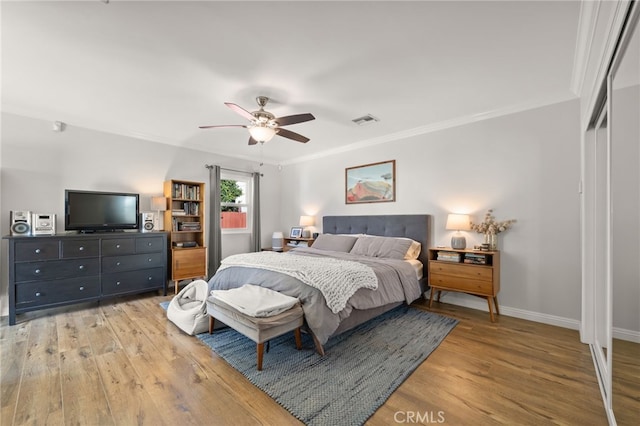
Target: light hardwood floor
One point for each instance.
(123, 363)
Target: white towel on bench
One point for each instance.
(255, 301)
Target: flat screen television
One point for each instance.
(93, 211)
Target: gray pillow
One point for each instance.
(389, 247)
(342, 243)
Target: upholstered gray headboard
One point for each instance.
(414, 226)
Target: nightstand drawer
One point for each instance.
(461, 270)
(458, 283)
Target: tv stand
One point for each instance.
(55, 270)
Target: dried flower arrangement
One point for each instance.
(490, 225)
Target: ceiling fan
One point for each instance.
(264, 125)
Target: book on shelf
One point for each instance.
(448, 256)
(189, 226)
(475, 258)
(191, 208)
(186, 192)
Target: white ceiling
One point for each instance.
(158, 70)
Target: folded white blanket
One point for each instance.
(255, 301)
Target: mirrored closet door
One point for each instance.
(624, 101)
(611, 237)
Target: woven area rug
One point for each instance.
(359, 372)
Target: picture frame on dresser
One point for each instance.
(296, 232)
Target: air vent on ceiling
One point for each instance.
(365, 119)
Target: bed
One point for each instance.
(377, 262)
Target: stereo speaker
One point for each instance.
(147, 222)
(20, 222)
(43, 223)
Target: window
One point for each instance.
(235, 202)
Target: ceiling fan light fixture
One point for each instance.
(262, 133)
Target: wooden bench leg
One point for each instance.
(260, 350)
(212, 323)
(298, 338)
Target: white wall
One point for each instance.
(39, 164)
(526, 166)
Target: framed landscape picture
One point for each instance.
(371, 183)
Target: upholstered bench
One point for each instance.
(259, 329)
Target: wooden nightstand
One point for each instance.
(300, 242)
(453, 274)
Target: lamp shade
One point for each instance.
(262, 133)
(158, 204)
(458, 222)
(307, 221)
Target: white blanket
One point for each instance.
(337, 279)
(255, 301)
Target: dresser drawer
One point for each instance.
(37, 249)
(56, 269)
(462, 270)
(149, 244)
(80, 248)
(131, 262)
(116, 246)
(56, 291)
(469, 285)
(125, 282)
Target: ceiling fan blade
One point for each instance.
(292, 135)
(252, 141)
(294, 119)
(239, 110)
(224, 125)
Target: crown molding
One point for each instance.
(584, 43)
(434, 127)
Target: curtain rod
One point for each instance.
(210, 166)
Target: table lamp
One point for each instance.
(158, 204)
(306, 221)
(458, 222)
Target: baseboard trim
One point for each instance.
(563, 322)
(624, 334)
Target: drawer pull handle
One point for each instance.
(149, 244)
(38, 294)
(37, 251)
(81, 267)
(150, 278)
(117, 282)
(37, 271)
(117, 263)
(149, 260)
(81, 248)
(81, 288)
